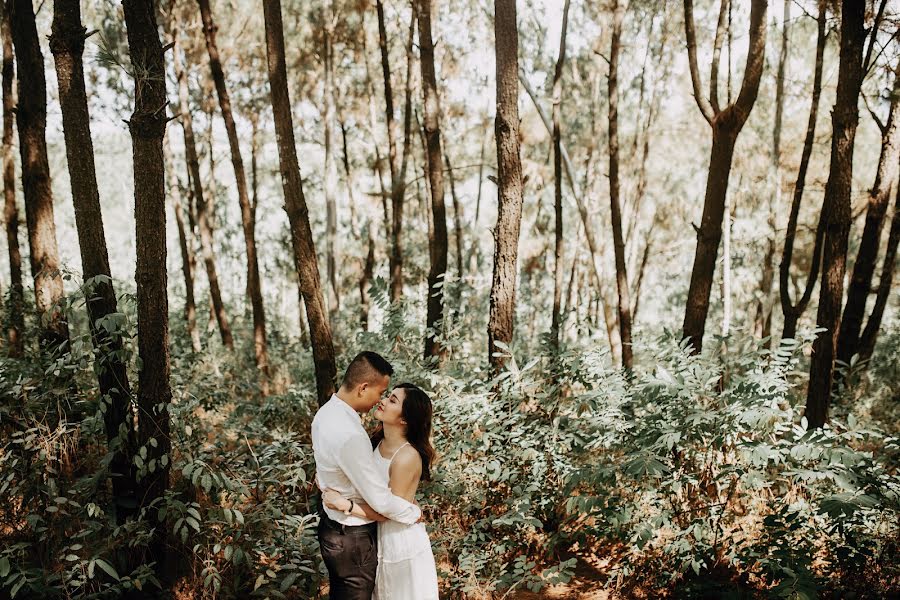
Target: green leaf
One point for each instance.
(4, 566)
(108, 568)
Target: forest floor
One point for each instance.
(586, 585)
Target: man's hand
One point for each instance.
(333, 500)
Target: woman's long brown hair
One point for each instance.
(417, 413)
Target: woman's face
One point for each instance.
(390, 410)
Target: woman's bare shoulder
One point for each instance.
(408, 459)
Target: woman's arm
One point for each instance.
(335, 501)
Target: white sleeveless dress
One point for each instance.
(406, 569)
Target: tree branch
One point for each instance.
(702, 103)
(756, 58)
(717, 56)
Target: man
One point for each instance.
(344, 463)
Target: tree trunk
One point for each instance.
(334, 302)
(15, 309)
(726, 125)
(836, 212)
(31, 117)
(348, 174)
(763, 319)
(726, 271)
(587, 222)
(295, 205)
(67, 45)
(558, 248)
(366, 279)
(870, 333)
(260, 345)
(616, 213)
(204, 224)
(185, 242)
(793, 312)
(457, 219)
(147, 127)
(434, 155)
(379, 165)
(867, 255)
(509, 178)
(398, 160)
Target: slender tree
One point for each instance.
(397, 159)
(836, 211)
(31, 117)
(558, 249)
(726, 124)
(867, 255)
(67, 45)
(434, 156)
(295, 205)
(509, 178)
(203, 211)
(883, 293)
(793, 312)
(10, 209)
(615, 207)
(148, 126)
(185, 243)
(254, 285)
(457, 217)
(334, 298)
(762, 325)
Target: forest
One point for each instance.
(639, 254)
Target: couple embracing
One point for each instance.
(371, 534)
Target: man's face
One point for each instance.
(371, 392)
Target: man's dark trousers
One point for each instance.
(351, 557)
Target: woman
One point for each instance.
(404, 455)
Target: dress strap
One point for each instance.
(398, 450)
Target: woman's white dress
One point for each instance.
(406, 569)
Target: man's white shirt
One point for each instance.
(345, 463)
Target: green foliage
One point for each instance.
(694, 476)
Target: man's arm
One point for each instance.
(334, 500)
(356, 461)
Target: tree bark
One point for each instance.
(873, 325)
(793, 312)
(204, 224)
(434, 155)
(509, 178)
(147, 127)
(762, 323)
(366, 279)
(334, 302)
(726, 125)
(67, 46)
(31, 117)
(836, 212)
(867, 255)
(615, 207)
(457, 219)
(254, 285)
(398, 160)
(295, 205)
(185, 243)
(558, 248)
(15, 309)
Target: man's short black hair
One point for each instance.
(365, 368)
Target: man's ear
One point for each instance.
(361, 388)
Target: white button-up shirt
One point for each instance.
(345, 463)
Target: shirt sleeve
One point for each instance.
(356, 461)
